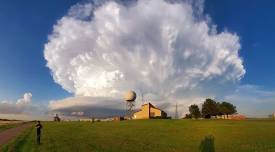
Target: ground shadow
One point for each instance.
(207, 144)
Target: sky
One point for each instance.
(75, 56)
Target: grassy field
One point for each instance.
(151, 136)
(6, 126)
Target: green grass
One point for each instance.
(16, 144)
(151, 136)
(6, 126)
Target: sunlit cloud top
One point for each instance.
(156, 47)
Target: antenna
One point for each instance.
(141, 96)
(176, 112)
(142, 99)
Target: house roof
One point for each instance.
(150, 105)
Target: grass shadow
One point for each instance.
(207, 144)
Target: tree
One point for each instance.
(222, 109)
(209, 108)
(194, 111)
(188, 116)
(227, 108)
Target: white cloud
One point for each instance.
(26, 99)
(77, 113)
(161, 49)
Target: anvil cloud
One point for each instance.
(158, 48)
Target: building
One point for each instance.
(232, 117)
(56, 118)
(272, 116)
(148, 111)
(118, 118)
(86, 119)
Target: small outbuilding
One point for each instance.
(118, 118)
(56, 118)
(232, 117)
(149, 111)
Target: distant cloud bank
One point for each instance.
(167, 51)
(23, 108)
(252, 100)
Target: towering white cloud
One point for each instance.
(22, 106)
(26, 99)
(156, 47)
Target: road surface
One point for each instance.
(11, 133)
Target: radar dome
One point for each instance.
(130, 96)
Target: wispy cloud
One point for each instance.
(253, 100)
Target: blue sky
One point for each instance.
(254, 22)
(25, 27)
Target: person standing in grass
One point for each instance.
(38, 132)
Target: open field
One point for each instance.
(9, 122)
(11, 132)
(5, 124)
(151, 136)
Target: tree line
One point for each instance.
(211, 108)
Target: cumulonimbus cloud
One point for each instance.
(159, 48)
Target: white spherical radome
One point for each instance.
(130, 96)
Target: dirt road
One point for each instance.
(9, 134)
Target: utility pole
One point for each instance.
(142, 98)
(176, 112)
